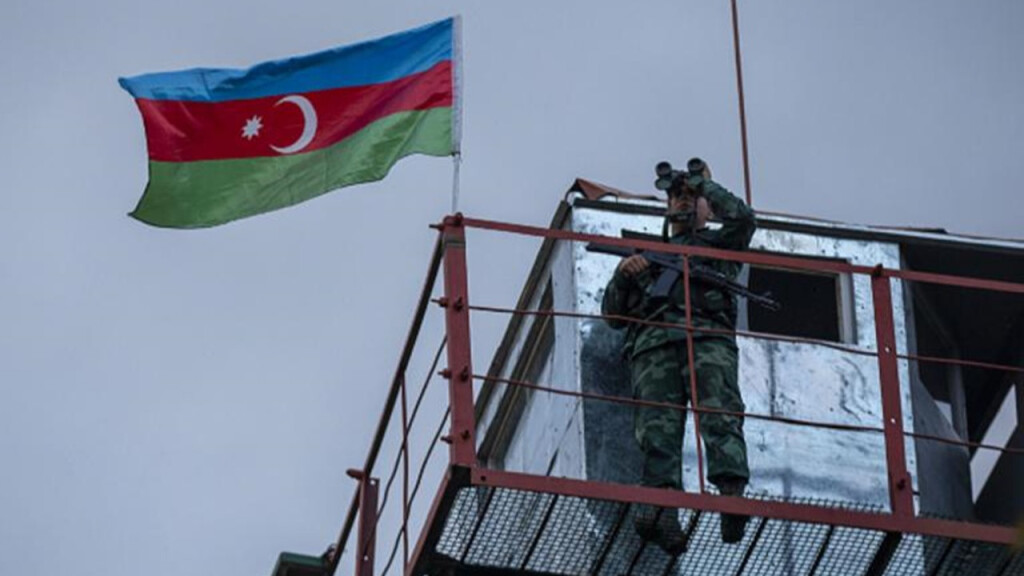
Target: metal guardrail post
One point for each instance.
(405, 475)
(692, 374)
(367, 542)
(901, 495)
(460, 367)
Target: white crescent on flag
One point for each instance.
(308, 130)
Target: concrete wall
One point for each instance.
(549, 437)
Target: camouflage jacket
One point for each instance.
(712, 307)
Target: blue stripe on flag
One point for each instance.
(373, 62)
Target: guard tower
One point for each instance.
(880, 422)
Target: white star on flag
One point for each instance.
(252, 127)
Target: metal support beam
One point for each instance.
(1004, 567)
(540, 532)
(367, 543)
(942, 558)
(460, 366)
(636, 556)
(691, 524)
(750, 547)
(610, 541)
(901, 496)
(821, 551)
(884, 554)
(480, 517)
(957, 399)
(405, 475)
(672, 566)
(692, 374)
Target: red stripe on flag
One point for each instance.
(184, 131)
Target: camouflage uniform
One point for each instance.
(658, 356)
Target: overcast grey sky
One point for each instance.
(186, 402)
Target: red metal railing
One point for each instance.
(902, 514)
(752, 416)
(455, 303)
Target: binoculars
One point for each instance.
(673, 181)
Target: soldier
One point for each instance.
(659, 360)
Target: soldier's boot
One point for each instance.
(733, 525)
(645, 520)
(671, 537)
(661, 526)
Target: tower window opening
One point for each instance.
(814, 305)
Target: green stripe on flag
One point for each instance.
(212, 192)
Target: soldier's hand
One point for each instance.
(633, 265)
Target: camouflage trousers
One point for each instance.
(662, 375)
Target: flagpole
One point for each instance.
(456, 108)
(456, 164)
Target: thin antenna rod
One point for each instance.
(743, 108)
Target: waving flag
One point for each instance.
(225, 144)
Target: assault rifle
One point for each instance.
(672, 268)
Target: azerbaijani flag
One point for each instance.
(225, 144)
